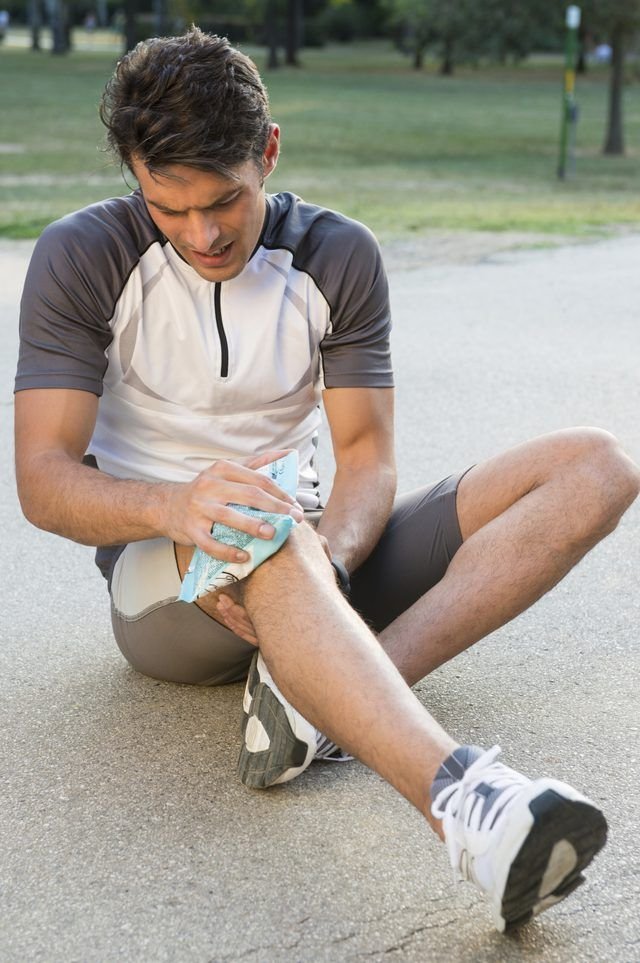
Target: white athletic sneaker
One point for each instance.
(278, 743)
(523, 843)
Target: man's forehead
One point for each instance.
(179, 187)
(184, 173)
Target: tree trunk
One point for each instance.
(446, 67)
(60, 28)
(293, 39)
(130, 24)
(581, 62)
(35, 23)
(418, 56)
(159, 18)
(614, 143)
(271, 34)
(102, 12)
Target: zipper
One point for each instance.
(224, 344)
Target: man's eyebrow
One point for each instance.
(163, 207)
(170, 210)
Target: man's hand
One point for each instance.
(193, 507)
(234, 616)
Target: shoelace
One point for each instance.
(326, 749)
(454, 805)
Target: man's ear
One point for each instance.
(272, 150)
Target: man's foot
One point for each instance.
(278, 743)
(523, 843)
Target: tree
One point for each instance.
(412, 17)
(130, 24)
(271, 33)
(614, 138)
(293, 32)
(35, 23)
(511, 29)
(616, 21)
(283, 21)
(465, 30)
(160, 17)
(60, 26)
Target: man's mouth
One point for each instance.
(219, 250)
(213, 256)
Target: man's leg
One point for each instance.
(328, 664)
(162, 637)
(526, 517)
(524, 843)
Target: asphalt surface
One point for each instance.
(125, 834)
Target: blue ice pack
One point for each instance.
(206, 573)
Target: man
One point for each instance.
(175, 341)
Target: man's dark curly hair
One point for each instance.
(191, 100)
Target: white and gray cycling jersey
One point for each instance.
(187, 370)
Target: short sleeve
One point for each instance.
(76, 275)
(356, 351)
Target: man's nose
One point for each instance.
(203, 231)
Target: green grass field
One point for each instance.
(362, 132)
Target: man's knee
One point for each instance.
(607, 480)
(584, 473)
(302, 554)
(305, 544)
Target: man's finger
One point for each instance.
(254, 497)
(220, 550)
(236, 619)
(325, 546)
(233, 473)
(250, 525)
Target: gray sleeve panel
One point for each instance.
(77, 273)
(343, 258)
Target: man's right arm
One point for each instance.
(60, 494)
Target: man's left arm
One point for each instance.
(361, 424)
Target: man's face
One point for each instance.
(213, 222)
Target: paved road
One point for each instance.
(125, 834)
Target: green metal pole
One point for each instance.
(569, 110)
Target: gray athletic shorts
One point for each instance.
(168, 639)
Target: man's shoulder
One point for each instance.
(108, 234)
(81, 263)
(343, 259)
(315, 234)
